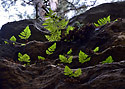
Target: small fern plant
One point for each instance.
(83, 57)
(96, 49)
(24, 58)
(70, 73)
(103, 21)
(13, 39)
(41, 58)
(51, 49)
(54, 25)
(64, 59)
(25, 34)
(108, 60)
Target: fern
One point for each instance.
(51, 49)
(96, 49)
(83, 57)
(70, 73)
(77, 73)
(25, 34)
(6, 42)
(108, 60)
(54, 25)
(69, 52)
(103, 21)
(23, 58)
(68, 29)
(13, 38)
(65, 59)
(41, 58)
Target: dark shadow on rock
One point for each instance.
(8, 51)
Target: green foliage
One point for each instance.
(54, 25)
(96, 49)
(51, 49)
(108, 60)
(69, 52)
(23, 58)
(115, 20)
(13, 38)
(41, 58)
(23, 44)
(69, 72)
(6, 42)
(64, 59)
(25, 34)
(103, 21)
(51, 14)
(77, 73)
(83, 57)
(68, 29)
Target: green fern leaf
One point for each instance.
(77, 73)
(13, 38)
(25, 34)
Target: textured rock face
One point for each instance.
(15, 28)
(45, 76)
(49, 74)
(115, 10)
(8, 51)
(110, 39)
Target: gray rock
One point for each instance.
(115, 10)
(16, 27)
(45, 76)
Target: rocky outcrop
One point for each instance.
(115, 10)
(46, 76)
(15, 28)
(110, 39)
(49, 74)
(8, 51)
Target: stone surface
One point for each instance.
(15, 28)
(110, 39)
(8, 51)
(115, 10)
(48, 74)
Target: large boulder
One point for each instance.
(16, 27)
(115, 10)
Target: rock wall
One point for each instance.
(49, 74)
(15, 28)
(115, 10)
